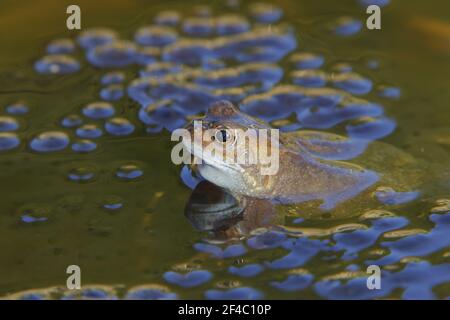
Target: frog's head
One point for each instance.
(228, 149)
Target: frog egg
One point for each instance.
(167, 18)
(160, 69)
(61, 46)
(161, 114)
(18, 108)
(50, 141)
(93, 37)
(370, 128)
(112, 92)
(30, 219)
(116, 54)
(57, 64)
(150, 292)
(8, 123)
(32, 213)
(148, 55)
(89, 131)
(112, 203)
(84, 145)
(81, 174)
(309, 78)
(342, 67)
(198, 27)
(119, 127)
(98, 110)
(157, 36)
(115, 77)
(347, 26)
(389, 92)
(306, 60)
(231, 24)
(380, 3)
(265, 13)
(8, 141)
(202, 11)
(352, 83)
(71, 121)
(129, 172)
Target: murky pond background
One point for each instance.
(117, 209)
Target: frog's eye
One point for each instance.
(224, 136)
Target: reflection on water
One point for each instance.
(86, 175)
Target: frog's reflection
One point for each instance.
(211, 208)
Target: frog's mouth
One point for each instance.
(208, 160)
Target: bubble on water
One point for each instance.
(389, 92)
(119, 126)
(167, 18)
(129, 172)
(112, 203)
(116, 54)
(188, 280)
(199, 26)
(8, 124)
(231, 24)
(71, 121)
(150, 292)
(309, 78)
(50, 141)
(347, 26)
(352, 83)
(157, 36)
(18, 108)
(241, 293)
(8, 141)
(265, 13)
(161, 114)
(57, 64)
(112, 92)
(93, 37)
(99, 110)
(61, 46)
(371, 128)
(113, 77)
(307, 60)
(84, 145)
(89, 131)
(82, 174)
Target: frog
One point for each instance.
(320, 173)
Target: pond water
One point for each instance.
(86, 176)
